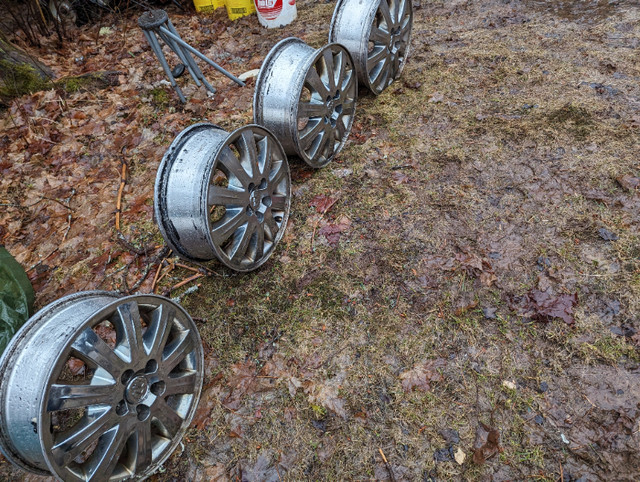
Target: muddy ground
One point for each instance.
(467, 269)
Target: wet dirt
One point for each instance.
(581, 11)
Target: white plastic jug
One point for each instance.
(276, 13)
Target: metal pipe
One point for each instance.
(202, 56)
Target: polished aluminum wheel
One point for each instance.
(99, 387)
(377, 34)
(307, 98)
(223, 195)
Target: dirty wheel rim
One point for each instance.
(62, 11)
(377, 37)
(115, 387)
(307, 97)
(224, 196)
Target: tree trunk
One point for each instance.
(20, 73)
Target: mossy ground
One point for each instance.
(501, 144)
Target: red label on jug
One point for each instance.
(270, 9)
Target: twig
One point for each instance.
(561, 473)
(182, 283)
(123, 181)
(188, 267)
(389, 469)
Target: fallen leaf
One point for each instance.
(333, 231)
(422, 375)
(436, 97)
(509, 384)
(628, 182)
(322, 203)
(607, 235)
(542, 306)
(76, 366)
(459, 456)
(487, 444)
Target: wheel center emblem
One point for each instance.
(137, 389)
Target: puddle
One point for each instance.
(580, 10)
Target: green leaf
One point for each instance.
(16, 297)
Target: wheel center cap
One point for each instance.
(137, 389)
(254, 200)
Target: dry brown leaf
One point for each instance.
(422, 375)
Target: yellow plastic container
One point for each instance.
(239, 8)
(207, 6)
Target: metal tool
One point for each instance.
(156, 24)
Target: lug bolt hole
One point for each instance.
(126, 376)
(252, 187)
(267, 201)
(143, 412)
(158, 388)
(259, 216)
(121, 408)
(263, 184)
(152, 366)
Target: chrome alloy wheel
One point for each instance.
(63, 11)
(377, 35)
(307, 98)
(99, 387)
(223, 195)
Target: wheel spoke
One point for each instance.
(307, 110)
(314, 81)
(330, 71)
(158, 331)
(271, 224)
(279, 202)
(105, 458)
(340, 129)
(91, 348)
(65, 397)
(402, 10)
(143, 446)
(386, 14)
(167, 416)
(247, 146)
(277, 174)
(342, 69)
(307, 138)
(128, 317)
(348, 107)
(231, 166)
(264, 157)
(240, 247)
(176, 351)
(379, 35)
(223, 229)
(223, 196)
(181, 384)
(71, 443)
(378, 54)
(259, 241)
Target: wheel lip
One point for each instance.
(109, 308)
(363, 74)
(23, 336)
(265, 68)
(312, 60)
(210, 169)
(160, 209)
